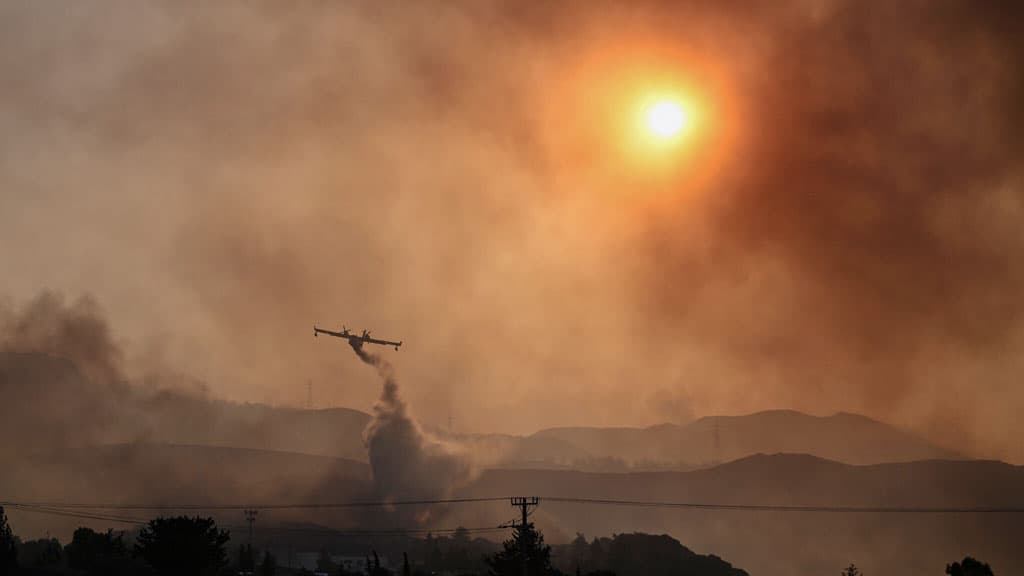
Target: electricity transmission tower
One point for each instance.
(250, 517)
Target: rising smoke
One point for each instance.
(406, 462)
(77, 331)
(61, 376)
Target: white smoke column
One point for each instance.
(407, 463)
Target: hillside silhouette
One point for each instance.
(842, 437)
(808, 542)
(780, 543)
(123, 444)
(66, 409)
(52, 397)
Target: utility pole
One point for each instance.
(524, 503)
(309, 394)
(250, 517)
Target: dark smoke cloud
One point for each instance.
(61, 376)
(64, 386)
(407, 463)
(77, 331)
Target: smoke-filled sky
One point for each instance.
(841, 229)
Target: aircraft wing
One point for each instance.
(330, 333)
(383, 342)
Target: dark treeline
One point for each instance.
(195, 546)
(636, 555)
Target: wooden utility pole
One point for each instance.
(524, 503)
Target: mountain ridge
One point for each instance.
(50, 395)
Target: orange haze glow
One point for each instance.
(647, 128)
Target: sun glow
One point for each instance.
(666, 118)
(655, 123)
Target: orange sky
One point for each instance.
(833, 234)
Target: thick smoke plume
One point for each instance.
(406, 462)
(76, 331)
(60, 376)
(63, 378)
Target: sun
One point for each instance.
(666, 118)
(666, 131)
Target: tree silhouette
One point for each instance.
(376, 570)
(246, 560)
(8, 547)
(269, 565)
(580, 551)
(660, 555)
(183, 545)
(324, 562)
(600, 552)
(969, 567)
(526, 546)
(851, 570)
(435, 558)
(41, 552)
(458, 559)
(97, 552)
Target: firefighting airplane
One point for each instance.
(354, 340)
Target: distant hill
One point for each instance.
(169, 475)
(785, 543)
(50, 397)
(176, 418)
(761, 542)
(509, 451)
(158, 473)
(841, 437)
(48, 404)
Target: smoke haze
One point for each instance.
(77, 331)
(843, 233)
(405, 461)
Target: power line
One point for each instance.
(553, 499)
(285, 506)
(72, 514)
(275, 529)
(791, 508)
(381, 532)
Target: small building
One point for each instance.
(355, 564)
